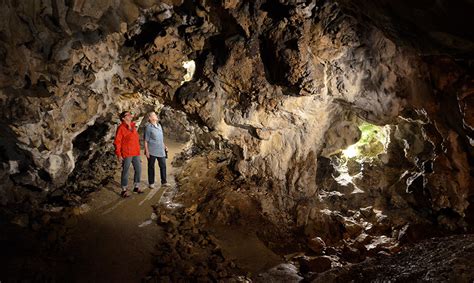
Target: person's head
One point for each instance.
(126, 116)
(152, 117)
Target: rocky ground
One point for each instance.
(114, 238)
(447, 259)
(106, 239)
(218, 232)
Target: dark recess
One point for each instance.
(219, 49)
(93, 133)
(44, 175)
(229, 27)
(149, 31)
(276, 10)
(275, 70)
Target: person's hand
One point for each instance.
(147, 154)
(120, 159)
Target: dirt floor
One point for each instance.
(110, 239)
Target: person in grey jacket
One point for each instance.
(155, 149)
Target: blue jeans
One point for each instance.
(137, 166)
(151, 169)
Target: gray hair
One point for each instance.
(151, 113)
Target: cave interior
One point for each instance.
(310, 141)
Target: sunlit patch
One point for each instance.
(351, 151)
(373, 141)
(345, 179)
(190, 67)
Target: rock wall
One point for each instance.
(66, 70)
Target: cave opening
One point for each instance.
(387, 174)
(373, 141)
(370, 148)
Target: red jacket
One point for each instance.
(127, 141)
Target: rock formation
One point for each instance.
(281, 87)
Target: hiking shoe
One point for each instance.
(138, 190)
(165, 184)
(125, 194)
(152, 186)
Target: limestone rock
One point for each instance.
(176, 125)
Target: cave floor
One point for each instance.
(108, 239)
(111, 239)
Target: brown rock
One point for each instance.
(316, 264)
(412, 233)
(352, 254)
(263, 134)
(317, 245)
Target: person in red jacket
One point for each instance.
(127, 149)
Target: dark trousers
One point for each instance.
(151, 169)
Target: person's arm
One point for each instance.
(118, 144)
(163, 138)
(146, 138)
(147, 153)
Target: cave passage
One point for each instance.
(310, 141)
(108, 238)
